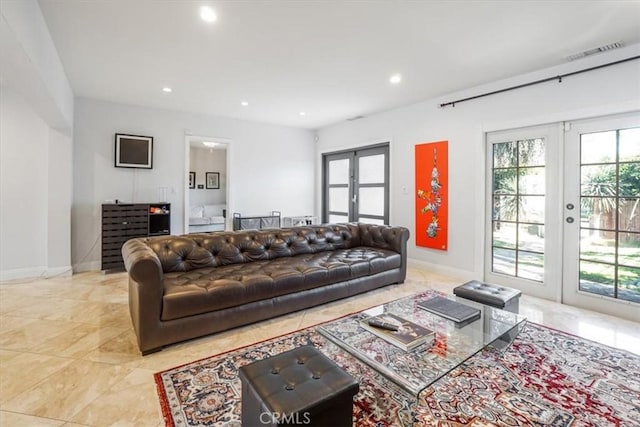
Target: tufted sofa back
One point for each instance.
(189, 252)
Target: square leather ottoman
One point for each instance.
(493, 295)
(300, 386)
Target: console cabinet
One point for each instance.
(124, 221)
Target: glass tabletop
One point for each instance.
(417, 369)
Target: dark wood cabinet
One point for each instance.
(124, 221)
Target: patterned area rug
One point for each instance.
(546, 378)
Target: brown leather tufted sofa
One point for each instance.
(182, 287)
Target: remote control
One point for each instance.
(384, 325)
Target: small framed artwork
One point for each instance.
(192, 180)
(213, 180)
(134, 151)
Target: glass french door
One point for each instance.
(522, 232)
(356, 185)
(602, 215)
(563, 213)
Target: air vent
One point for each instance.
(595, 50)
(355, 118)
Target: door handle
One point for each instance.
(355, 198)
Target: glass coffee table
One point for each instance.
(417, 369)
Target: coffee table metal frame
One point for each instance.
(417, 369)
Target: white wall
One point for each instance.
(605, 91)
(36, 120)
(59, 198)
(30, 63)
(201, 161)
(35, 192)
(264, 159)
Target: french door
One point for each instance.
(602, 215)
(523, 243)
(563, 212)
(356, 185)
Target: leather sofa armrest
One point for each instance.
(387, 237)
(146, 289)
(141, 262)
(393, 238)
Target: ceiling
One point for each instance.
(329, 59)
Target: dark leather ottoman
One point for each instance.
(493, 295)
(301, 386)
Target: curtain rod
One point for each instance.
(559, 77)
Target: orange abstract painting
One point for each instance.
(432, 186)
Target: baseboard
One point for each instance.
(463, 275)
(59, 271)
(87, 266)
(22, 273)
(34, 272)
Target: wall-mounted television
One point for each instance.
(134, 151)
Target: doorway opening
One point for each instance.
(206, 184)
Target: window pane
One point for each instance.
(597, 278)
(338, 218)
(371, 201)
(518, 208)
(531, 209)
(630, 179)
(629, 284)
(629, 145)
(531, 181)
(371, 169)
(629, 215)
(339, 171)
(504, 261)
(531, 266)
(505, 181)
(629, 250)
(339, 199)
(371, 221)
(598, 212)
(531, 237)
(505, 154)
(505, 208)
(531, 152)
(598, 147)
(597, 245)
(504, 234)
(598, 180)
(610, 234)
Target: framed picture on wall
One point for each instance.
(212, 180)
(192, 180)
(133, 151)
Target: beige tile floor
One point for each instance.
(68, 355)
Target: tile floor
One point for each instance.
(68, 355)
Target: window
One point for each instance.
(518, 219)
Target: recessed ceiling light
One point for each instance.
(244, 103)
(302, 113)
(395, 79)
(207, 14)
(167, 89)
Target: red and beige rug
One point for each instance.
(546, 378)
